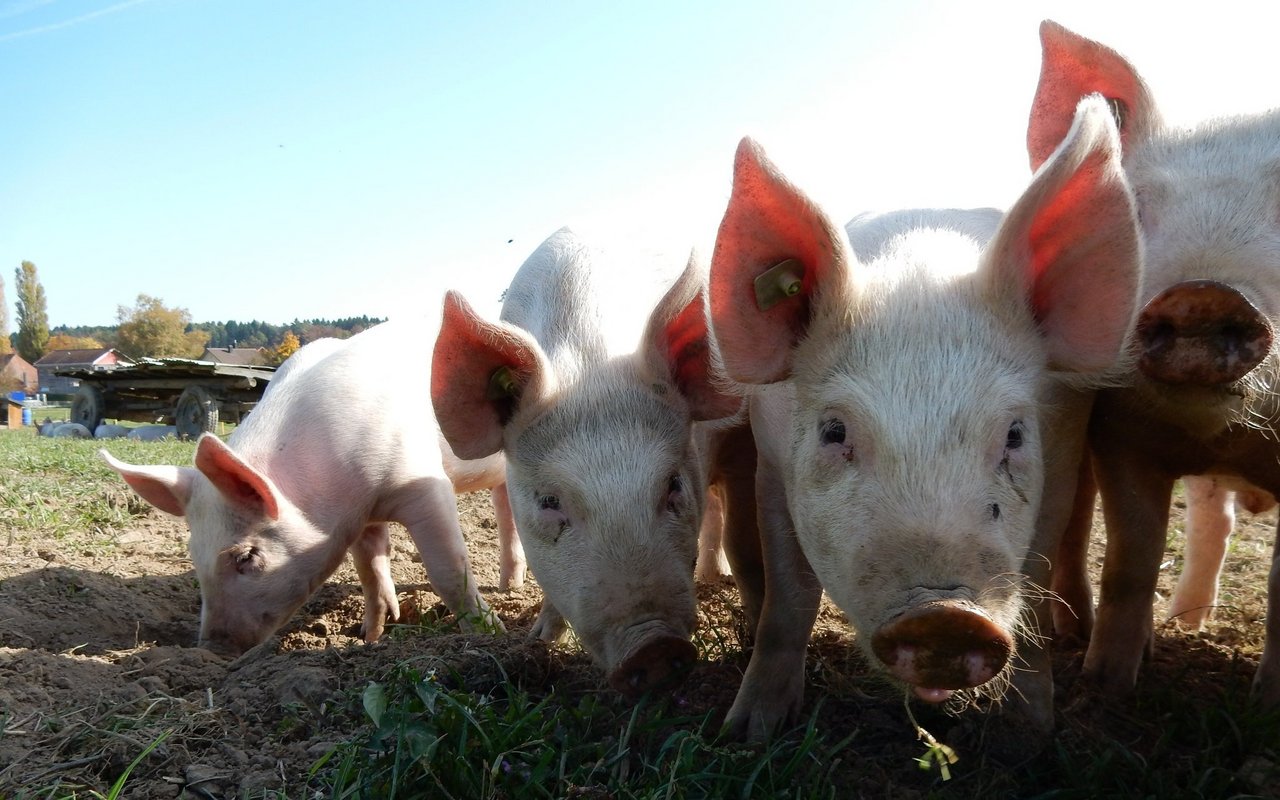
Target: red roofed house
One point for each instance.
(19, 369)
(102, 358)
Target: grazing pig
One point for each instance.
(910, 408)
(341, 444)
(105, 431)
(590, 385)
(1202, 399)
(153, 433)
(70, 430)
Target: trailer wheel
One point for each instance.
(88, 407)
(197, 413)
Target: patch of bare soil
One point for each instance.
(97, 662)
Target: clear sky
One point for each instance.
(279, 160)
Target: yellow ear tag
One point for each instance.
(502, 384)
(779, 282)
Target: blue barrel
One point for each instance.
(26, 416)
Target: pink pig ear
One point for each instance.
(678, 346)
(776, 252)
(238, 482)
(166, 488)
(1071, 246)
(1073, 67)
(480, 372)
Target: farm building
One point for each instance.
(20, 370)
(102, 358)
(240, 356)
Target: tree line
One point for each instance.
(149, 328)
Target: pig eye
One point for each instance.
(832, 431)
(675, 487)
(246, 559)
(1014, 439)
(995, 511)
(549, 502)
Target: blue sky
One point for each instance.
(281, 160)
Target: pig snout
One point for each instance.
(226, 646)
(1201, 332)
(658, 662)
(943, 645)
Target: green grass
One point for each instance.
(429, 740)
(61, 487)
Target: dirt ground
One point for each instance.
(96, 659)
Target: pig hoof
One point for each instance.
(942, 646)
(659, 663)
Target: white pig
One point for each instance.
(1211, 502)
(152, 433)
(902, 441)
(105, 431)
(70, 430)
(590, 384)
(341, 444)
(1202, 400)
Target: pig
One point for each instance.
(69, 430)
(1201, 398)
(105, 431)
(590, 384)
(1211, 502)
(153, 433)
(335, 450)
(906, 373)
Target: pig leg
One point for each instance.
(550, 625)
(712, 565)
(371, 552)
(428, 508)
(1073, 597)
(1135, 504)
(1266, 683)
(512, 565)
(1210, 518)
(773, 686)
(735, 471)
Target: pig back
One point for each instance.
(585, 304)
(869, 232)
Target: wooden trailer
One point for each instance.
(192, 395)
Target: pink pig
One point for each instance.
(1202, 396)
(341, 444)
(911, 397)
(592, 385)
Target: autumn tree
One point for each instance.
(33, 314)
(4, 321)
(151, 329)
(289, 345)
(63, 341)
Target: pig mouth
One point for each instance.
(941, 646)
(659, 661)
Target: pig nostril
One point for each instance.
(1159, 337)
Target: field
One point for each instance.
(102, 694)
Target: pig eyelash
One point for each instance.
(548, 502)
(831, 431)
